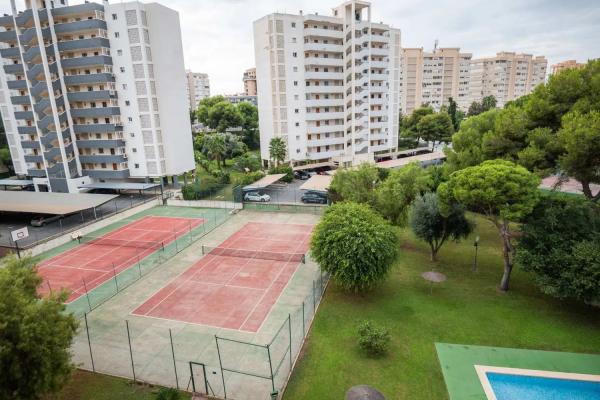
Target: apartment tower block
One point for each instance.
(94, 92)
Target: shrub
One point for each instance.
(247, 178)
(372, 339)
(283, 169)
(246, 161)
(221, 176)
(168, 394)
(197, 191)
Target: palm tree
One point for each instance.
(214, 147)
(277, 150)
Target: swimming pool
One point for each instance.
(518, 384)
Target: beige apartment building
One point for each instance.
(198, 88)
(433, 77)
(569, 64)
(250, 82)
(506, 76)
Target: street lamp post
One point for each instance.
(476, 244)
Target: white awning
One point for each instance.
(422, 158)
(264, 182)
(119, 185)
(15, 182)
(312, 166)
(317, 182)
(50, 202)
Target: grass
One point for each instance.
(466, 309)
(89, 386)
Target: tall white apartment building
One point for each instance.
(506, 76)
(94, 92)
(198, 88)
(431, 78)
(328, 85)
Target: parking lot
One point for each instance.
(289, 193)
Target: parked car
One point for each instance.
(311, 173)
(256, 196)
(313, 198)
(301, 175)
(317, 193)
(42, 220)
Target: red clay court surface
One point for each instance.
(93, 262)
(233, 292)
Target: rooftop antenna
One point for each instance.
(435, 46)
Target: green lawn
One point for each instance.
(465, 309)
(89, 386)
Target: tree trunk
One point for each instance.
(433, 252)
(506, 255)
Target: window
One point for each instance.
(133, 149)
(136, 166)
(129, 119)
(296, 111)
(122, 69)
(132, 134)
(294, 54)
(297, 124)
(127, 102)
(124, 86)
(293, 24)
(114, 16)
(117, 35)
(295, 83)
(295, 69)
(119, 52)
(293, 40)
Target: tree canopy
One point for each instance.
(355, 245)
(560, 247)
(355, 184)
(36, 334)
(277, 150)
(502, 191)
(487, 103)
(435, 128)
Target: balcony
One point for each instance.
(378, 113)
(49, 138)
(379, 38)
(102, 158)
(380, 147)
(325, 102)
(97, 128)
(323, 47)
(32, 158)
(17, 84)
(325, 89)
(29, 34)
(8, 36)
(376, 51)
(24, 114)
(26, 130)
(106, 173)
(378, 136)
(325, 128)
(89, 78)
(379, 64)
(100, 143)
(94, 112)
(313, 75)
(53, 154)
(84, 25)
(6, 21)
(378, 125)
(314, 116)
(80, 62)
(93, 95)
(30, 144)
(18, 100)
(77, 9)
(42, 87)
(13, 68)
(324, 154)
(36, 173)
(326, 33)
(329, 61)
(11, 52)
(81, 44)
(325, 141)
(379, 77)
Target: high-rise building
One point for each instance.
(250, 82)
(94, 92)
(506, 76)
(564, 65)
(198, 88)
(328, 85)
(433, 77)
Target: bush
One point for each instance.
(355, 245)
(246, 161)
(221, 176)
(283, 169)
(168, 394)
(196, 191)
(372, 339)
(247, 178)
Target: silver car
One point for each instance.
(256, 196)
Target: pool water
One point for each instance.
(523, 387)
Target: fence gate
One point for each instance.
(205, 380)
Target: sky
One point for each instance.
(217, 34)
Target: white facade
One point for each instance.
(329, 86)
(198, 88)
(118, 103)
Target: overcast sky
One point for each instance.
(217, 34)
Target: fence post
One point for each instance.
(303, 327)
(130, 350)
(290, 331)
(140, 268)
(314, 301)
(192, 378)
(271, 368)
(174, 364)
(87, 294)
(87, 329)
(221, 366)
(115, 276)
(49, 287)
(176, 247)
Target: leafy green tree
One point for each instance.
(355, 245)
(399, 190)
(204, 107)
(455, 114)
(223, 116)
(427, 222)
(234, 147)
(247, 162)
(35, 334)
(408, 125)
(560, 247)
(487, 103)
(193, 117)
(214, 147)
(277, 150)
(435, 128)
(467, 144)
(283, 169)
(249, 114)
(501, 190)
(355, 184)
(580, 136)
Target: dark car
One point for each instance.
(301, 175)
(313, 198)
(317, 193)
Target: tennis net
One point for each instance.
(258, 254)
(109, 242)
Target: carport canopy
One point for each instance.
(401, 162)
(264, 182)
(119, 185)
(51, 203)
(312, 166)
(317, 182)
(15, 182)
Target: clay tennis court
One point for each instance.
(91, 264)
(236, 284)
